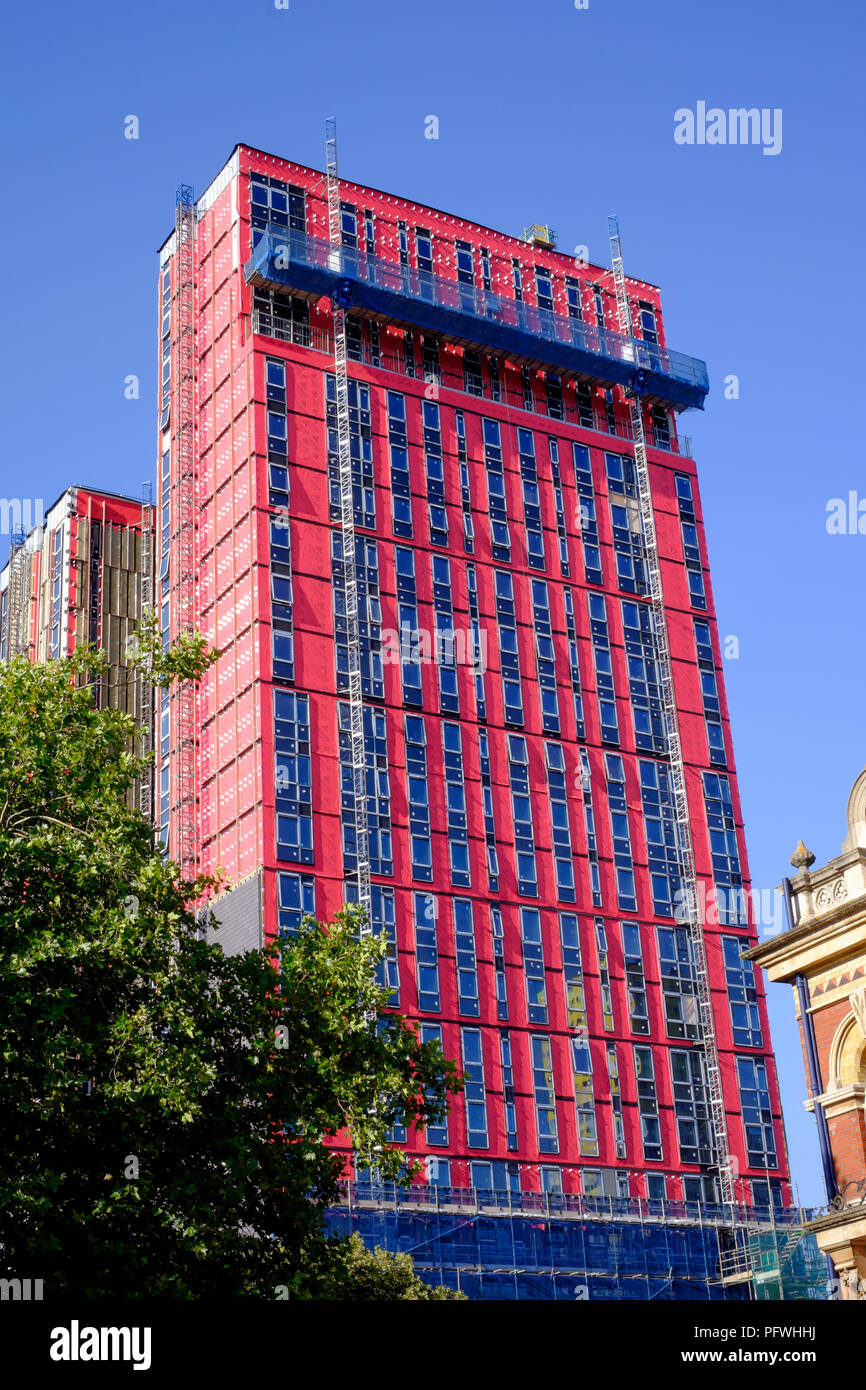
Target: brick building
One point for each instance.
(823, 956)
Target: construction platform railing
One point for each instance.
(301, 334)
(466, 313)
(423, 1196)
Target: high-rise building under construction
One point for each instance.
(421, 483)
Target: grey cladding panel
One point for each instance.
(239, 913)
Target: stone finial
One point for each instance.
(802, 858)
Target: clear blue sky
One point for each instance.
(546, 113)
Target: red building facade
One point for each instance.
(518, 795)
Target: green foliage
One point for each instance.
(362, 1274)
(164, 1108)
(187, 658)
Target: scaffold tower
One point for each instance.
(183, 496)
(690, 912)
(347, 530)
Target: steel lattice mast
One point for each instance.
(347, 533)
(691, 914)
(183, 579)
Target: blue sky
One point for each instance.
(546, 113)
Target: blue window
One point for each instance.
(517, 279)
(604, 975)
(500, 538)
(697, 592)
(648, 326)
(545, 657)
(436, 1134)
(165, 405)
(426, 952)
(677, 974)
(742, 995)
(619, 827)
(419, 798)
(533, 965)
(398, 445)
(635, 981)
(281, 598)
(584, 1097)
(434, 470)
(276, 202)
(691, 544)
(438, 1169)
(521, 807)
(626, 528)
(508, 1094)
(474, 1093)
(383, 923)
(544, 289)
(572, 971)
(165, 515)
(278, 484)
(573, 300)
(497, 932)
(424, 249)
(296, 899)
(455, 800)
(360, 448)
(559, 507)
(487, 807)
(643, 684)
(467, 967)
(691, 1107)
(710, 694)
(616, 1109)
(407, 608)
(293, 777)
(589, 825)
(465, 266)
(724, 851)
(574, 663)
(379, 836)
(531, 499)
(559, 823)
(477, 644)
(661, 838)
(647, 1104)
(446, 655)
(586, 513)
(509, 655)
(465, 490)
(498, 1176)
(545, 1096)
(757, 1112)
(369, 616)
(606, 692)
(704, 645)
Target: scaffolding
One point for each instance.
(183, 578)
(546, 1245)
(347, 531)
(18, 603)
(145, 701)
(679, 795)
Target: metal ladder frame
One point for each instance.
(145, 701)
(183, 585)
(347, 533)
(18, 605)
(682, 827)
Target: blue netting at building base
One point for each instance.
(520, 1257)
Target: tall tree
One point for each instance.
(166, 1110)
